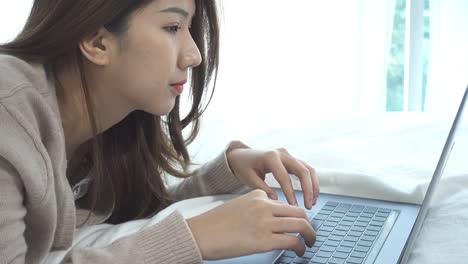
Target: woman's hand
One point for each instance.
(250, 224)
(250, 166)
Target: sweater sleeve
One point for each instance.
(212, 178)
(12, 242)
(166, 242)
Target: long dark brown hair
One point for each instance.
(129, 159)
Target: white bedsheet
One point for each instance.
(387, 156)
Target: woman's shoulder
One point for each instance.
(17, 74)
(29, 113)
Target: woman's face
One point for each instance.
(153, 56)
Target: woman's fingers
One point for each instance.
(315, 181)
(285, 241)
(286, 210)
(292, 219)
(258, 183)
(299, 169)
(274, 163)
(295, 225)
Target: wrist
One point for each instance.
(233, 145)
(196, 226)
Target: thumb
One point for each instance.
(256, 182)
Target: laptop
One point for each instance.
(358, 230)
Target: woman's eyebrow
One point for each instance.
(176, 10)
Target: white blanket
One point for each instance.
(388, 156)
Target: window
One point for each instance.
(399, 55)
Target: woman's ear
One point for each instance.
(97, 47)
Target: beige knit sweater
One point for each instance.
(37, 207)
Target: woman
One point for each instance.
(89, 102)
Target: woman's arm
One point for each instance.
(214, 177)
(168, 241)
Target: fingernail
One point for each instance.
(312, 202)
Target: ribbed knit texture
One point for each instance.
(37, 207)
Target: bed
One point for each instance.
(389, 156)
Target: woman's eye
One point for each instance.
(173, 29)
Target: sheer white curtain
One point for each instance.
(448, 61)
(284, 58)
(302, 58)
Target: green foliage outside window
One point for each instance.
(395, 72)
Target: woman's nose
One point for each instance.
(190, 56)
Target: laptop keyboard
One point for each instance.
(345, 234)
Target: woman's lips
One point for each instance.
(178, 87)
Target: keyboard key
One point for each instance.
(325, 211)
(308, 255)
(346, 223)
(348, 243)
(326, 228)
(351, 238)
(339, 233)
(342, 208)
(320, 217)
(328, 208)
(289, 253)
(328, 248)
(334, 219)
(352, 214)
(371, 233)
(324, 233)
(364, 219)
(380, 214)
(367, 215)
(355, 260)
(333, 224)
(358, 228)
(354, 233)
(318, 243)
(349, 218)
(316, 224)
(332, 243)
(323, 254)
(356, 208)
(313, 249)
(376, 223)
(320, 238)
(370, 209)
(300, 260)
(344, 249)
(336, 238)
(360, 223)
(286, 259)
(336, 261)
(385, 210)
(318, 260)
(340, 255)
(329, 203)
(339, 215)
(343, 228)
(364, 243)
(368, 238)
(380, 219)
(358, 254)
(374, 228)
(362, 249)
